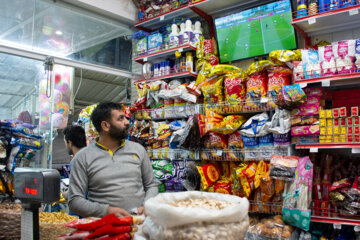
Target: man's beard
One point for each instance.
(118, 133)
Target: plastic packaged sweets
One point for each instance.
(344, 52)
(327, 60)
(283, 167)
(311, 63)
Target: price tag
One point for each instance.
(325, 83)
(303, 85)
(353, 11)
(219, 153)
(312, 21)
(355, 150)
(145, 59)
(337, 225)
(181, 50)
(313, 150)
(162, 18)
(264, 100)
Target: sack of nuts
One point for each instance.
(196, 215)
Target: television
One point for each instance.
(256, 31)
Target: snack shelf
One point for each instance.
(167, 113)
(327, 145)
(333, 220)
(162, 53)
(241, 107)
(328, 22)
(169, 76)
(326, 81)
(225, 155)
(267, 207)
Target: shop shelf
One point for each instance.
(167, 113)
(268, 207)
(327, 81)
(333, 220)
(169, 76)
(152, 55)
(328, 22)
(327, 145)
(241, 107)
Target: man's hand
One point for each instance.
(141, 211)
(119, 212)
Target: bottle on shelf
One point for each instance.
(189, 62)
(183, 64)
(177, 62)
(189, 34)
(162, 69)
(167, 70)
(181, 33)
(197, 33)
(322, 6)
(174, 36)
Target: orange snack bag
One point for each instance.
(267, 187)
(218, 140)
(223, 186)
(250, 171)
(209, 173)
(235, 140)
(262, 168)
(279, 186)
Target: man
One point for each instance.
(74, 138)
(116, 174)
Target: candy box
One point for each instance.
(322, 122)
(343, 130)
(356, 121)
(305, 130)
(322, 139)
(343, 122)
(349, 121)
(329, 131)
(336, 113)
(350, 138)
(336, 122)
(354, 111)
(322, 114)
(329, 122)
(343, 138)
(155, 40)
(329, 139)
(356, 130)
(350, 130)
(328, 113)
(336, 139)
(343, 112)
(336, 130)
(357, 138)
(322, 130)
(307, 110)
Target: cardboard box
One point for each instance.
(329, 122)
(356, 121)
(329, 131)
(349, 121)
(343, 138)
(357, 138)
(343, 122)
(329, 139)
(343, 112)
(322, 113)
(350, 138)
(343, 130)
(322, 122)
(336, 139)
(336, 130)
(322, 130)
(336, 113)
(336, 122)
(328, 113)
(322, 139)
(350, 130)
(354, 111)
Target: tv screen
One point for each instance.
(255, 32)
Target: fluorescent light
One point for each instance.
(58, 32)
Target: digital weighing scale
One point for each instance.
(34, 186)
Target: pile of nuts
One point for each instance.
(202, 203)
(55, 217)
(53, 224)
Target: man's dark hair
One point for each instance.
(103, 113)
(75, 134)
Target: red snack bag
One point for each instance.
(110, 219)
(355, 187)
(235, 89)
(212, 59)
(256, 85)
(235, 140)
(343, 183)
(250, 171)
(223, 186)
(200, 118)
(209, 46)
(209, 173)
(109, 230)
(218, 140)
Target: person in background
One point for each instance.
(116, 173)
(75, 139)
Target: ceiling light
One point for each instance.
(58, 32)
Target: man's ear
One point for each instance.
(70, 144)
(105, 126)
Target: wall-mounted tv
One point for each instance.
(256, 31)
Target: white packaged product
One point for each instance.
(169, 220)
(327, 60)
(311, 63)
(344, 52)
(357, 55)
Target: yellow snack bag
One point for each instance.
(262, 168)
(259, 66)
(213, 93)
(222, 69)
(229, 124)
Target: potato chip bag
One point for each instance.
(247, 184)
(267, 187)
(282, 56)
(262, 168)
(209, 173)
(250, 170)
(235, 140)
(256, 85)
(236, 180)
(223, 186)
(235, 88)
(259, 66)
(212, 119)
(277, 78)
(200, 120)
(204, 73)
(213, 93)
(222, 69)
(218, 140)
(229, 124)
(279, 186)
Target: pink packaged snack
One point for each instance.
(305, 130)
(344, 52)
(312, 100)
(312, 92)
(327, 61)
(305, 110)
(298, 71)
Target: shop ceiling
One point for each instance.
(57, 30)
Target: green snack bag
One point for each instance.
(162, 165)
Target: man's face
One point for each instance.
(68, 147)
(119, 125)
